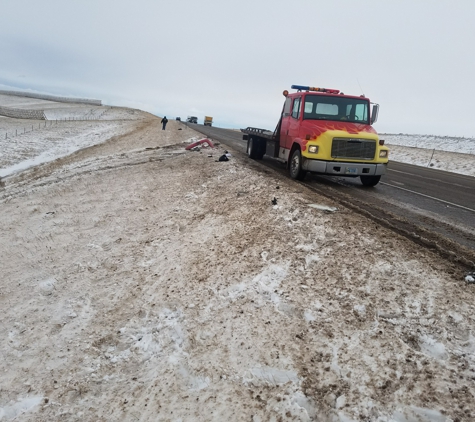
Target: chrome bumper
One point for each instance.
(343, 169)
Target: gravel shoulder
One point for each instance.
(144, 282)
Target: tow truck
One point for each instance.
(326, 132)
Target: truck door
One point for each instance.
(284, 127)
(294, 122)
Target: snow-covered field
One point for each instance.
(430, 142)
(143, 282)
(439, 152)
(68, 128)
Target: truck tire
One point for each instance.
(370, 180)
(295, 166)
(254, 148)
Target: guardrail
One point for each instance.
(46, 124)
(51, 97)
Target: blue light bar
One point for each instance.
(300, 87)
(311, 88)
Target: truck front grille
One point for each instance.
(357, 149)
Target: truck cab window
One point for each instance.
(319, 107)
(296, 109)
(328, 109)
(361, 112)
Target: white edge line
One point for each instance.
(431, 197)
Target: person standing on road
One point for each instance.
(164, 122)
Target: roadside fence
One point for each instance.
(46, 124)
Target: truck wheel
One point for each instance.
(254, 149)
(370, 180)
(295, 166)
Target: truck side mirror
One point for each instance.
(374, 113)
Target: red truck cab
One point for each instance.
(324, 131)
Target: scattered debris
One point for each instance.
(200, 142)
(274, 201)
(323, 207)
(470, 278)
(225, 156)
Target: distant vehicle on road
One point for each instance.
(192, 119)
(208, 121)
(178, 118)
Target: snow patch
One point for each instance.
(13, 410)
(433, 348)
(272, 376)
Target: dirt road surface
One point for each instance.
(143, 282)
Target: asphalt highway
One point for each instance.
(437, 201)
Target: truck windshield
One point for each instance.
(319, 107)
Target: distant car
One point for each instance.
(178, 118)
(192, 119)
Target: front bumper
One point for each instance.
(338, 168)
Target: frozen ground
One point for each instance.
(439, 152)
(70, 127)
(430, 142)
(143, 282)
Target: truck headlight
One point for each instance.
(383, 153)
(313, 149)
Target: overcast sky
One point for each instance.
(231, 59)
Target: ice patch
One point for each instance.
(323, 207)
(318, 305)
(431, 347)
(273, 376)
(418, 414)
(237, 290)
(269, 280)
(148, 344)
(309, 317)
(14, 410)
(309, 259)
(194, 382)
(455, 316)
(361, 309)
(306, 248)
(265, 283)
(152, 340)
(305, 404)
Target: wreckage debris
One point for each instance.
(200, 142)
(470, 278)
(323, 207)
(224, 157)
